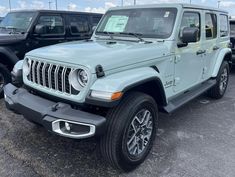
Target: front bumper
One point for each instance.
(58, 118)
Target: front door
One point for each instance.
(54, 30)
(189, 59)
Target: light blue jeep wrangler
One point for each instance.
(140, 60)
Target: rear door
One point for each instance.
(211, 42)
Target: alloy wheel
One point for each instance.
(139, 132)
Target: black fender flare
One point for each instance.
(10, 56)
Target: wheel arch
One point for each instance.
(224, 55)
(151, 86)
(7, 58)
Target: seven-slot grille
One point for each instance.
(52, 76)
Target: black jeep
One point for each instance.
(232, 38)
(22, 31)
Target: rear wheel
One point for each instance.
(131, 131)
(5, 77)
(222, 79)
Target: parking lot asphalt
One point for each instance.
(196, 141)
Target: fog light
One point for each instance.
(67, 126)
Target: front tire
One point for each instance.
(222, 79)
(5, 78)
(131, 130)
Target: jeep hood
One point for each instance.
(6, 38)
(110, 55)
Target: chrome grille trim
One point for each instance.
(43, 74)
(51, 76)
(38, 73)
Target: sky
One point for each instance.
(100, 5)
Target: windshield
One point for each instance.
(232, 29)
(17, 21)
(147, 22)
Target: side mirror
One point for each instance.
(94, 28)
(189, 34)
(40, 29)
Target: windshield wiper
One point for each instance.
(137, 35)
(110, 34)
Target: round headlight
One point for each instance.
(27, 66)
(79, 78)
(82, 77)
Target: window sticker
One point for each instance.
(116, 23)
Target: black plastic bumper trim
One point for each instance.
(44, 112)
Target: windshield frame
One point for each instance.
(117, 34)
(22, 30)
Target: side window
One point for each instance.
(211, 26)
(78, 24)
(224, 29)
(53, 24)
(95, 20)
(191, 19)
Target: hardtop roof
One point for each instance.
(57, 11)
(169, 5)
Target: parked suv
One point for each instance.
(22, 31)
(232, 37)
(140, 60)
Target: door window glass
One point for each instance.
(78, 24)
(232, 29)
(53, 24)
(224, 30)
(95, 20)
(191, 19)
(211, 26)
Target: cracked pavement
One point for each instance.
(197, 140)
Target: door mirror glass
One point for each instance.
(189, 35)
(40, 29)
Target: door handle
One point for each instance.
(199, 52)
(215, 48)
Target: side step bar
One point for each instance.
(180, 100)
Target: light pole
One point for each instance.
(134, 2)
(9, 4)
(219, 4)
(122, 2)
(190, 1)
(50, 4)
(56, 7)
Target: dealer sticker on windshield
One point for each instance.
(116, 23)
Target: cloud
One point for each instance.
(36, 4)
(22, 4)
(227, 4)
(100, 9)
(72, 7)
(3, 10)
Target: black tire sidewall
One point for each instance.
(126, 161)
(7, 76)
(218, 79)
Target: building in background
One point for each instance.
(1, 18)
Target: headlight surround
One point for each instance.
(27, 66)
(79, 79)
(82, 77)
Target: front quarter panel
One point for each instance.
(119, 81)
